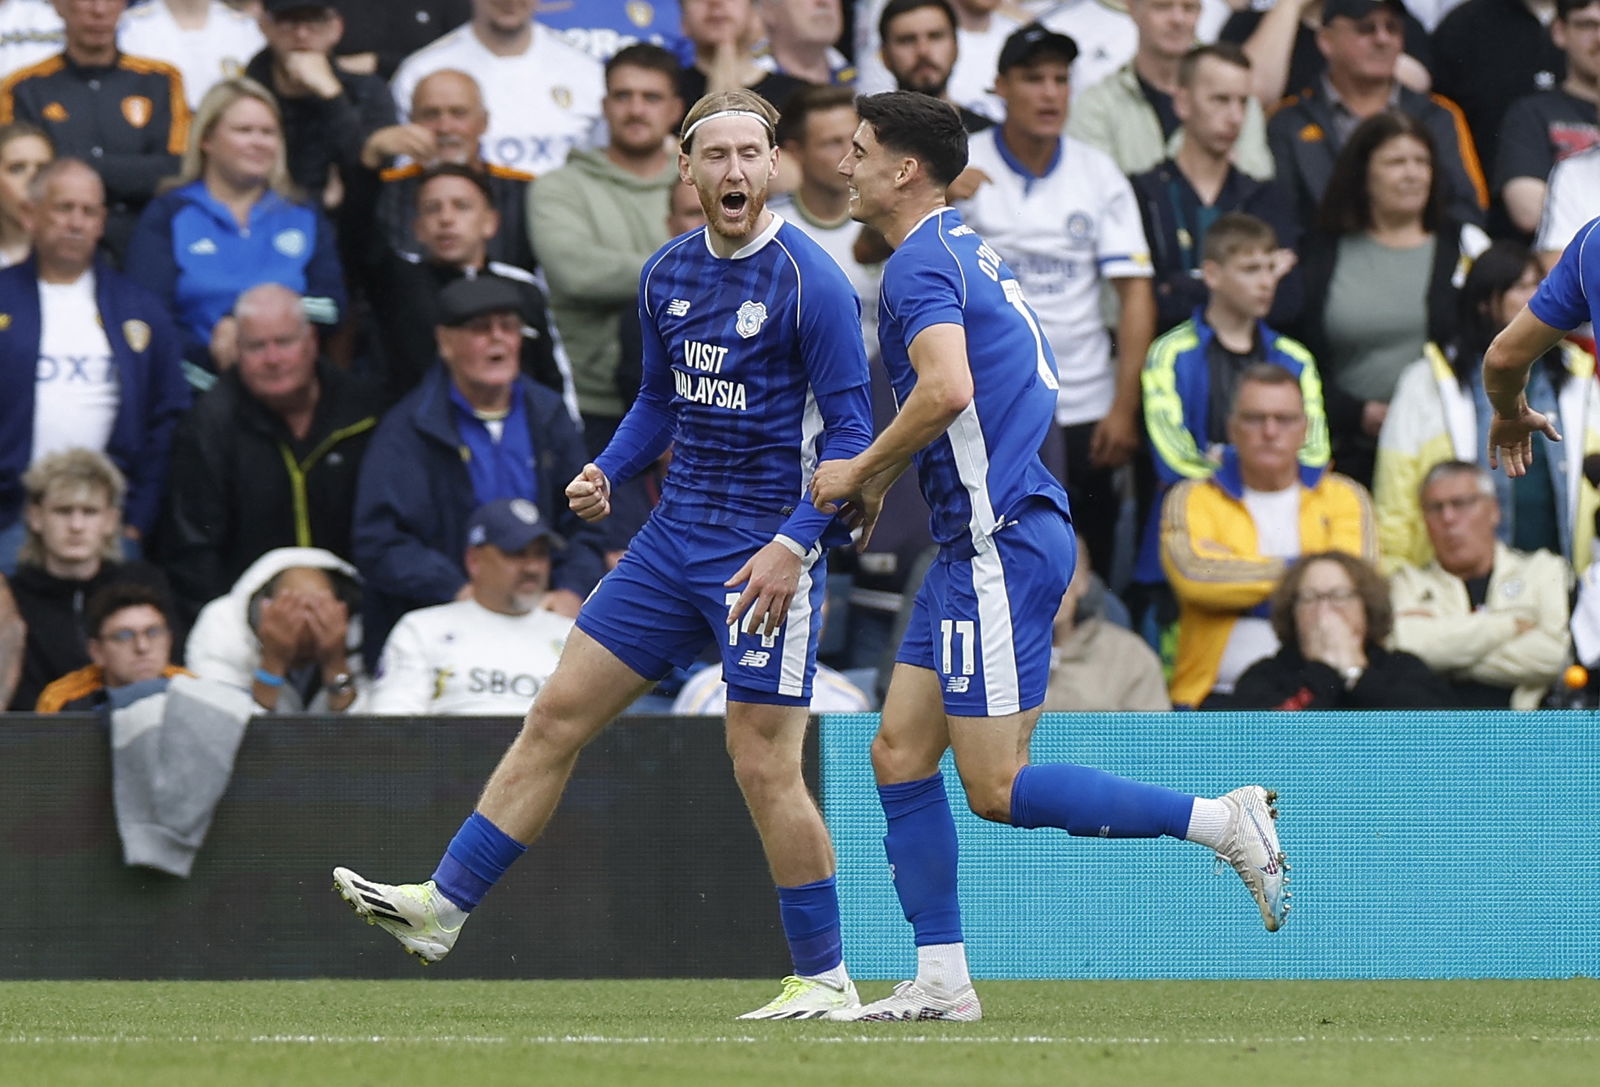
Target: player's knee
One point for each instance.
(896, 760)
(763, 771)
(548, 729)
(989, 799)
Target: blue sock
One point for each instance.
(1091, 803)
(475, 860)
(810, 914)
(921, 845)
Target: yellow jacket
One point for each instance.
(1211, 554)
(1431, 419)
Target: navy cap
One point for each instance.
(467, 298)
(1028, 44)
(1358, 9)
(510, 524)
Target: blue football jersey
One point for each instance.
(602, 27)
(758, 359)
(1562, 300)
(987, 463)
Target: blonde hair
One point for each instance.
(218, 100)
(80, 469)
(741, 101)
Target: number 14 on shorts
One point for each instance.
(767, 640)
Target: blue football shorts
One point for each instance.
(984, 621)
(666, 601)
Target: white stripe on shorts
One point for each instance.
(797, 637)
(994, 633)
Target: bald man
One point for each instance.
(448, 121)
(88, 358)
(269, 456)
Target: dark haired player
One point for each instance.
(976, 385)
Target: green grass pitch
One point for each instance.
(420, 1033)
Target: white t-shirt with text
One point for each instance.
(462, 659)
(542, 103)
(77, 387)
(1063, 235)
(30, 31)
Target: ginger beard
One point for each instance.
(730, 167)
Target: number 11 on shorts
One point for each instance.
(964, 630)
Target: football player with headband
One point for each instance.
(754, 372)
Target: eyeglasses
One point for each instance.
(128, 635)
(1332, 596)
(1455, 505)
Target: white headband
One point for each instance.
(766, 124)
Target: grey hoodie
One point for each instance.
(595, 224)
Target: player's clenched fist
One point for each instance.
(589, 494)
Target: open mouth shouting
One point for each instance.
(734, 205)
(734, 213)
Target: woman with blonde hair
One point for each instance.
(24, 151)
(231, 221)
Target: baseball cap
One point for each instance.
(1358, 9)
(1027, 44)
(510, 524)
(467, 298)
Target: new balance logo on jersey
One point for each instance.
(754, 658)
(678, 307)
(958, 685)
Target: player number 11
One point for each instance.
(965, 630)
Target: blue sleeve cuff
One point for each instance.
(806, 525)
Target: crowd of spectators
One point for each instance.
(309, 310)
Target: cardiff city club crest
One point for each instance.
(750, 318)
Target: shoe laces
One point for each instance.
(793, 986)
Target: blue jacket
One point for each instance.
(189, 249)
(153, 393)
(415, 496)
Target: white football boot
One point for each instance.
(424, 921)
(912, 1001)
(807, 998)
(1251, 847)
